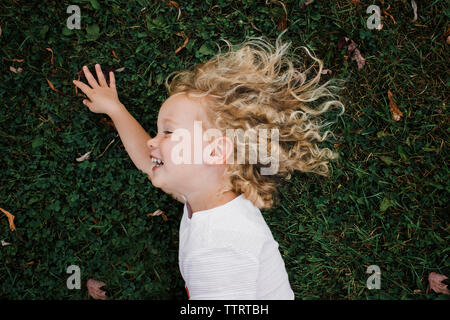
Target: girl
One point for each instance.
(226, 249)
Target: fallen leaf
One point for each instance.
(16, 60)
(4, 243)
(359, 59)
(18, 70)
(173, 3)
(158, 213)
(388, 14)
(84, 157)
(186, 40)
(51, 60)
(352, 50)
(120, 69)
(94, 290)
(355, 54)
(414, 7)
(12, 227)
(112, 141)
(114, 54)
(395, 111)
(355, 2)
(435, 280)
(326, 71)
(51, 85)
(76, 88)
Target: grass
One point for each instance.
(385, 204)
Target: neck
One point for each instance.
(200, 202)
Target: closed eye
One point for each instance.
(168, 132)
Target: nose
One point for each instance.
(152, 143)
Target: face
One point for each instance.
(179, 113)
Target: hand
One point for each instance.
(102, 99)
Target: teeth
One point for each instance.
(157, 161)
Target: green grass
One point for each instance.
(384, 204)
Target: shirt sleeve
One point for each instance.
(221, 274)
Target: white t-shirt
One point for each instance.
(228, 252)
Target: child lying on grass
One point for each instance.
(226, 249)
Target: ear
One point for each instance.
(219, 150)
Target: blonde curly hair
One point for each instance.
(247, 89)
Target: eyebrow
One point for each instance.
(170, 120)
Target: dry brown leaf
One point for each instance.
(186, 40)
(355, 54)
(158, 213)
(94, 290)
(395, 111)
(84, 157)
(28, 264)
(111, 142)
(51, 85)
(18, 70)
(352, 50)
(16, 60)
(114, 54)
(76, 88)
(435, 280)
(12, 227)
(359, 59)
(173, 3)
(388, 14)
(51, 60)
(355, 2)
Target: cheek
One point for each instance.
(170, 151)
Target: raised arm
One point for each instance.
(104, 99)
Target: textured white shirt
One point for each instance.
(228, 252)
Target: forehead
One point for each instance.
(180, 108)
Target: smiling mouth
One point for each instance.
(157, 162)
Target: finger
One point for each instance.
(87, 103)
(112, 80)
(84, 87)
(100, 76)
(90, 78)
